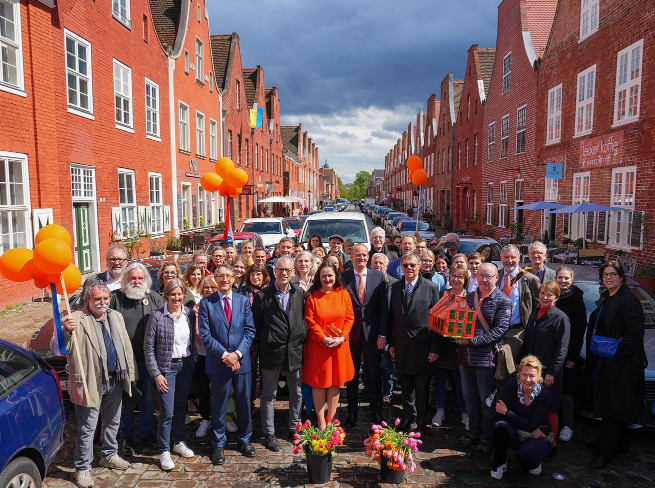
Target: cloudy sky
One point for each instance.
(355, 72)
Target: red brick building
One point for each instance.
(300, 167)
(508, 161)
(595, 119)
(431, 127)
(467, 167)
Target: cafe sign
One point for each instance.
(602, 152)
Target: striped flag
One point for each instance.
(58, 332)
(420, 208)
(257, 117)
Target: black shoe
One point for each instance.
(218, 456)
(553, 453)
(468, 441)
(246, 448)
(600, 462)
(271, 443)
(421, 429)
(377, 418)
(483, 449)
(128, 447)
(405, 424)
(351, 421)
(150, 442)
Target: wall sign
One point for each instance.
(179, 210)
(194, 204)
(554, 171)
(602, 152)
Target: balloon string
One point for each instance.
(60, 348)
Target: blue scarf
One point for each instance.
(533, 395)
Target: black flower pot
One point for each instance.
(319, 468)
(390, 475)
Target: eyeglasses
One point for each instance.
(169, 273)
(224, 276)
(610, 275)
(116, 260)
(285, 270)
(485, 277)
(409, 265)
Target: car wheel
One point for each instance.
(21, 473)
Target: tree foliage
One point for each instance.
(358, 189)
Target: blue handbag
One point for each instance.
(601, 346)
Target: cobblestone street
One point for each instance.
(441, 462)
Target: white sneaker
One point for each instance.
(165, 461)
(498, 474)
(566, 434)
(183, 450)
(230, 425)
(465, 420)
(438, 418)
(204, 427)
(536, 470)
(83, 479)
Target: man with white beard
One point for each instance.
(135, 302)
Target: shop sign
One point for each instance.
(602, 152)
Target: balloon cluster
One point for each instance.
(227, 180)
(49, 262)
(417, 174)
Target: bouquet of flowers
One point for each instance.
(394, 448)
(316, 441)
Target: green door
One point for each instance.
(83, 241)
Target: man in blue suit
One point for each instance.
(227, 329)
(368, 293)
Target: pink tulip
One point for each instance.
(384, 423)
(296, 451)
(397, 421)
(314, 437)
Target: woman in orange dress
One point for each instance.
(327, 364)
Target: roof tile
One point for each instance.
(166, 17)
(289, 135)
(220, 46)
(250, 85)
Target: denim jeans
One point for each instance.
(529, 453)
(146, 386)
(173, 403)
(387, 372)
(478, 384)
(440, 380)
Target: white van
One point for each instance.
(349, 225)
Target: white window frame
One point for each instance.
(551, 190)
(628, 83)
(25, 208)
(77, 109)
(186, 61)
(118, 15)
(152, 111)
(475, 155)
(184, 126)
(82, 183)
(185, 190)
(507, 72)
(201, 208)
(581, 192)
(623, 194)
(229, 144)
(213, 139)
(459, 156)
(521, 124)
(584, 102)
(155, 196)
(491, 144)
(238, 95)
(503, 210)
(588, 18)
(17, 44)
(490, 203)
(467, 152)
(200, 134)
(200, 56)
(125, 70)
(554, 117)
(126, 205)
(504, 137)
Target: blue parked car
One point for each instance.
(32, 416)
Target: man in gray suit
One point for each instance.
(537, 255)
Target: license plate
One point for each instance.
(63, 385)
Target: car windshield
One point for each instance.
(262, 227)
(411, 225)
(15, 366)
(329, 209)
(593, 290)
(468, 247)
(294, 224)
(348, 229)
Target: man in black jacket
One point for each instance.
(335, 244)
(116, 262)
(135, 302)
(411, 342)
(278, 312)
(368, 335)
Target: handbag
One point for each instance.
(601, 346)
(524, 435)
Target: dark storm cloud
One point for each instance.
(383, 134)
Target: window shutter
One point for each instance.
(143, 221)
(589, 234)
(565, 224)
(117, 222)
(167, 218)
(635, 231)
(601, 227)
(148, 227)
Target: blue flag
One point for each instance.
(420, 208)
(58, 332)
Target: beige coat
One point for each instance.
(86, 342)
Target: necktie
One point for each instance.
(507, 289)
(228, 311)
(408, 292)
(109, 347)
(361, 289)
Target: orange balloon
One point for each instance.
(72, 279)
(224, 166)
(52, 256)
(53, 231)
(224, 189)
(414, 162)
(16, 264)
(411, 174)
(40, 276)
(211, 181)
(420, 177)
(41, 283)
(237, 178)
(235, 192)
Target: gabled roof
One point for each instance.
(289, 135)
(166, 17)
(486, 58)
(537, 17)
(250, 85)
(458, 87)
(220, 46)
(268, 95)
(378, 173)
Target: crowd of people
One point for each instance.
(236, 320)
